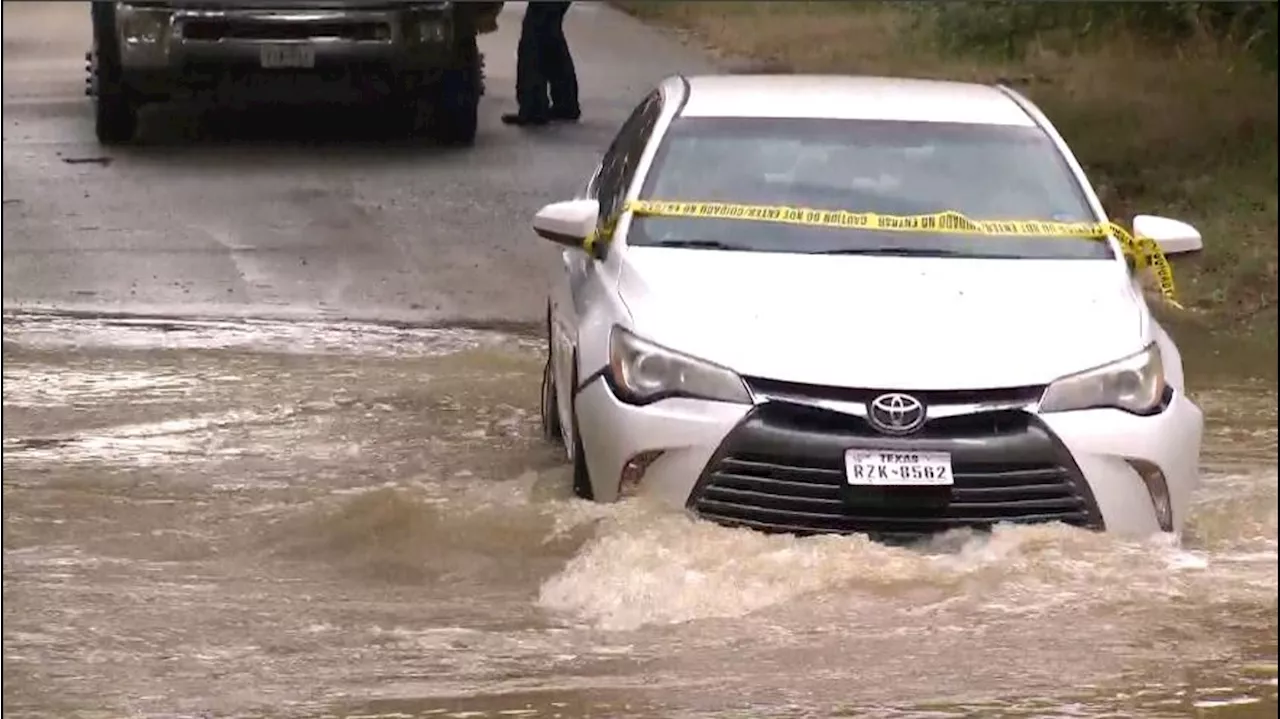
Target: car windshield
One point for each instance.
(985, 172)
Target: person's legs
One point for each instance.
(561, 74)
(531, 81)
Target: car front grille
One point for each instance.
(782, 470)
(933, 398)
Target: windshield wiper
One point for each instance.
(696, 244)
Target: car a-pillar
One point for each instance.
(115, 106)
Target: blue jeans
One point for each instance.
(546, 81)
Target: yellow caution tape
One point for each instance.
(1144, 251)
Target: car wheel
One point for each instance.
(551, 428)
(581, 476)
(457, 105)
(115, 108)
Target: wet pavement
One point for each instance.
(202, 522)
(321, 211)
(241, 480)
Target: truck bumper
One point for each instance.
(170, 40)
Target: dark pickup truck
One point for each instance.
(422, 56)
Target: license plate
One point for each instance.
(285, 56)
(886, 468)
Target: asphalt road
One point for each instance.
(311, 214)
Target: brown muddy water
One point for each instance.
(290, 520)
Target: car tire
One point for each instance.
(552, 430)
(115, 120)
(581, 475)
(456, 108)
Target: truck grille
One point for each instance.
(782, 470)
(218, 29)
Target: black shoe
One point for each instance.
(565, 116)
(519, 120)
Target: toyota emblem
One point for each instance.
(896, 413)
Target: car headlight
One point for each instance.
(642, 372)
(1134, 384)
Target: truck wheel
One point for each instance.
(115, 108)
(115, 117)
(457, 106)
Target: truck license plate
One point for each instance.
(288, 56)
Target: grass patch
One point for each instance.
(1182, 125)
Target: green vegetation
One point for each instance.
(1171, 107)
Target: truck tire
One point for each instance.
(457, 97)
(115, 107)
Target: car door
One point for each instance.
(583, 274)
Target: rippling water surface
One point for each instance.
(284, 520)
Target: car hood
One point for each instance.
(885, 322)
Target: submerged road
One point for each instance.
(245, 477)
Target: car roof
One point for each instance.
(851, 97)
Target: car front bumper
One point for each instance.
(778, 465)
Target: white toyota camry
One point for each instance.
(770, 371)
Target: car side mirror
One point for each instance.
(567, 223)
(1172, 236)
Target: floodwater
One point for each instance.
(290, 520)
